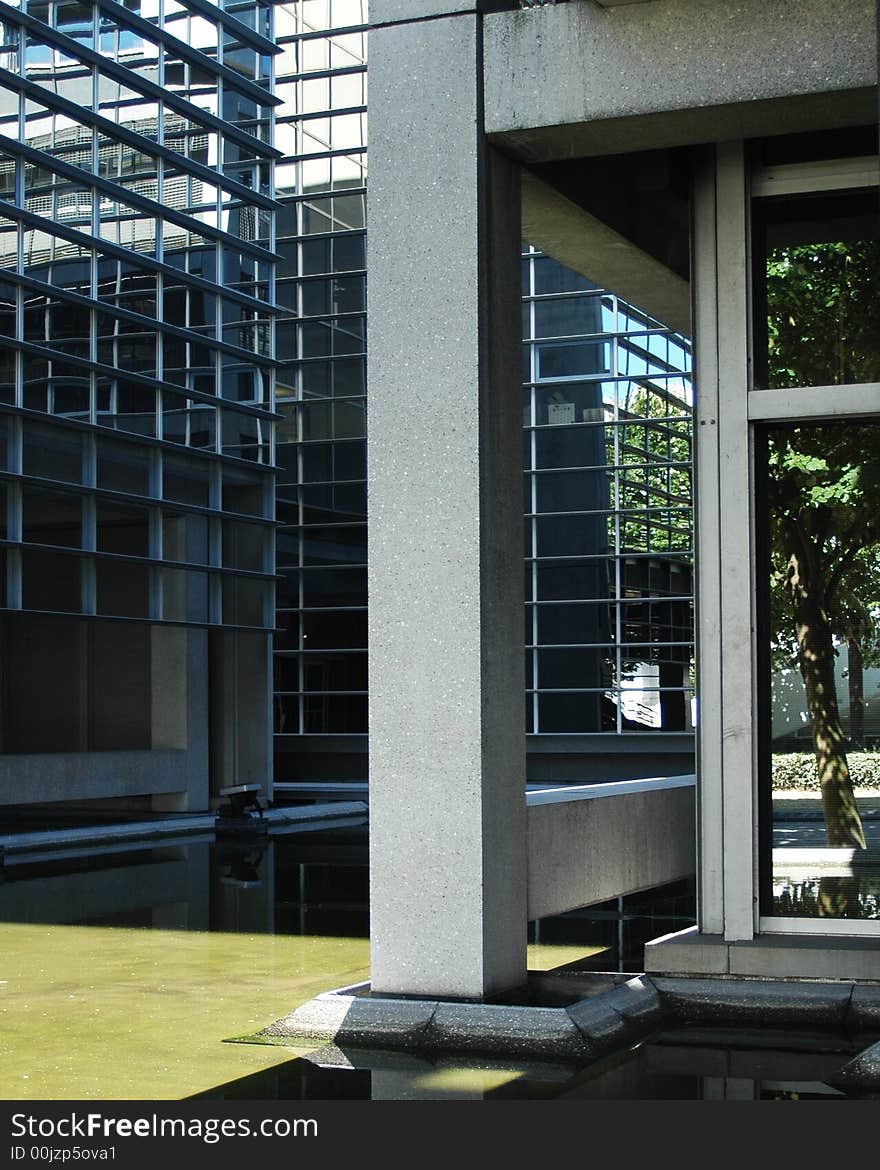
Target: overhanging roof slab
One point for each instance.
(577, 79)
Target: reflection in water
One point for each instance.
(833, 896)
(123, 971)
(725, 1066)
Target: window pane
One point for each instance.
(820, 608)
(817, 285)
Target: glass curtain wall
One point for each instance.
(136, 382)
(606, 446)
(607, 412)
(321, 659)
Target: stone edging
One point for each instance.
(596, 1026)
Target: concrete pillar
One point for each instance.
(447, 744)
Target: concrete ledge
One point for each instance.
(575, 1035)
(62, 839)
(864, 1010)
(863, 1072)
(591, 842)
(845, 958)
(824, 1015)
(325, 811)
(511, 1030)
(745, 1002)
(349, 1020)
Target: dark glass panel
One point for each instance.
(52, 453)
(123, 529)
(123, 467)
(245, 546)
(335, 714)
(244, 601)
(122, 588)
(51, 517)
(184, 595)
(50, 581)
(244, 491)
(332, 587)
(186, 480)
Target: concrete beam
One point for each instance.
(581, 241)
(589, 844)
(571, 80)
(391, 11)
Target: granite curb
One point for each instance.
(581, 1032)
(862, 1072)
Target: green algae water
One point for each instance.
(123, 973)
(94, 1012)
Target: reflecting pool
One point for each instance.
(123, 970)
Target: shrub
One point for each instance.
(796, 771)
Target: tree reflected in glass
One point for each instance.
(822, 492)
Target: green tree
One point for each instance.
(824, 536)
(824, 492)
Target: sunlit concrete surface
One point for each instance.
(105, 1013)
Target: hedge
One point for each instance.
(796, 771)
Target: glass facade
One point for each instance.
(607, 413)
(607, 453)
(136, 293)
(816, 272)
(137, 375)
(321, 645)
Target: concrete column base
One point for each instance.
(586, 1026)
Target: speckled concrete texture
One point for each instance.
(864, 1009)
(447, 745)
(813, 1017)
(603, 1029)
(499, 1028)
(637, 1000)
(319, 1019)
(575, 63)
(639, 836)
(741, 1002)
(769, 956)
(863, 1072)
(382, 11)
(347, 1020)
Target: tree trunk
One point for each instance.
(839, 897)
(856, 693)
(843, 825)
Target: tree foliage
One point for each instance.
(824, 492)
